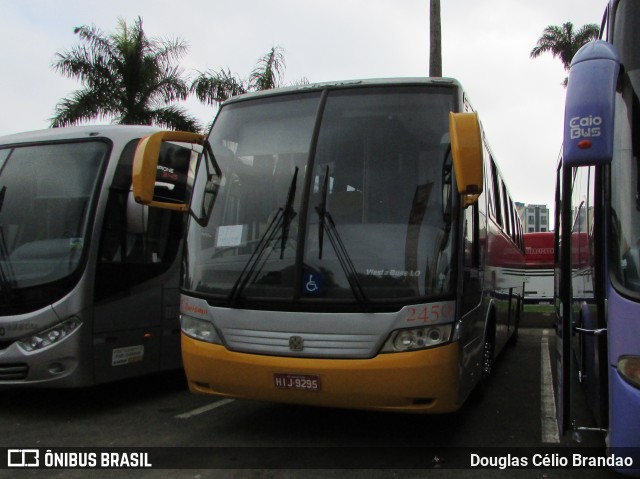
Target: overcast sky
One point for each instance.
(486, 45)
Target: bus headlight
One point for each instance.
(199, 329)
(51, 335)
(629, 369)
(417, 338)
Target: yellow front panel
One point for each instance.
(422, 381)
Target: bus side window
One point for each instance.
(472, 287)
(496, 193)
(129, 258)
(471, 237)
(488, 186)
(505, 210)
(514, 225)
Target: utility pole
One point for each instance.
(435, 40)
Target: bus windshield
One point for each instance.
(625, 204)
(305, 218)
(45, 204)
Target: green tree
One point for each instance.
(213, 87)
(127, 77)
(563, 42)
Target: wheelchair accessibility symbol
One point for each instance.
(312, 284)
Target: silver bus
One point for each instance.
(88, 278)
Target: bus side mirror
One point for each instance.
(466, 150)
(590, 105)
(161, 168)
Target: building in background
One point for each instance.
(535, 218)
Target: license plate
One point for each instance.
(300, 382)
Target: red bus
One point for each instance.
(538, 255)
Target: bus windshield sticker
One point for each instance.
(76, 243)
(396, 273)
(312, 284)
(229, 235)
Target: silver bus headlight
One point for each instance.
(199, 329)
(417, 338)
(50, 336)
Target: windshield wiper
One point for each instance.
(281, 222)
(288, 214)
(322, 211)
(6, 271)
(327, 223)
(3, 193)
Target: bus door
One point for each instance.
(587, 145)
(562, 299)
(136, 312)
(472, 279)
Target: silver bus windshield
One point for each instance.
(346, 207)
(45, 196)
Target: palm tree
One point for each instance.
(435, 43)
(269, 71)
(563, 43)
(127, 77)
(213, 87)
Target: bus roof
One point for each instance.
(346, 84)
(123, 132)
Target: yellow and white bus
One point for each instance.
(350, 245)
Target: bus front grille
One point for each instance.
(280, 343)
(13, 372)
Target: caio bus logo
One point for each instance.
(585, 127)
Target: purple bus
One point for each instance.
(597, 280)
